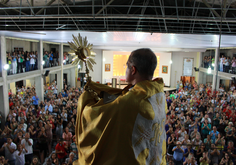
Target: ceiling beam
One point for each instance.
(48, 4)
(4, 5)
(104, 7)
(68, 2)
(216, 14)
(6, 1)
(142, 12)
(32, 3)
(118, 16)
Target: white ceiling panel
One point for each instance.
(131, 40)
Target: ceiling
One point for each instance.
(128, 41)
(152, 16)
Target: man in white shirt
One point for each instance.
(32, 61)
(27, 143)
(20, 155)
(10, 148)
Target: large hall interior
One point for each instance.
(195, 45)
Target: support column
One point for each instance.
(72, 77)
(215, 74)
(4, 101)
(204, 78)
(13, 87)
(60, 80)
(39, 83)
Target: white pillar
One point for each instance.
(4, 102)
(72, 77)
(39, 87)
(39, 83)
(60, 80)
(215, 76)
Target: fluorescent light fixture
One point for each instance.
(60, 27)
(209, 70)
(6, 66)
(6, 25)
(43, 62)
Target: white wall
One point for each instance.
(11, 43)
(97, 73)
(177, 65)
(165, 59)
(107, 58)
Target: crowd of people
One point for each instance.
(40, 132)
(225, 64)
(20, 61)
(200, 125)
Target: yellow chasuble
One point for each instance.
(127, 131)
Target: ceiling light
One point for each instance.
(60, 27)
(6, 66)
(209, 70)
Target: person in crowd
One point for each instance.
(36, 61)
(42, 143)
(55, 59)
(67, 136)
(20, 62)
(27, 143)
(35, 161)
(214, 154)
(61, 148)
(48, 130)
(32, 61)
(27, 62)
(226, 160)
(71, 159)
(233, 64)
(206, 127)
(178, 154)
(20, 154)
(74, 148)
(9, 62)
(204, 160)
(51, 59)
(35, 100)
(14, 63)
(9, 148)
(45, 59)
(214, 134)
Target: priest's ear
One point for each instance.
(133, 70)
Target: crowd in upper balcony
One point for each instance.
(20, 61)
(225, 64)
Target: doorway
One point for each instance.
(64, 80)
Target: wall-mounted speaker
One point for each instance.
(46, 73)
